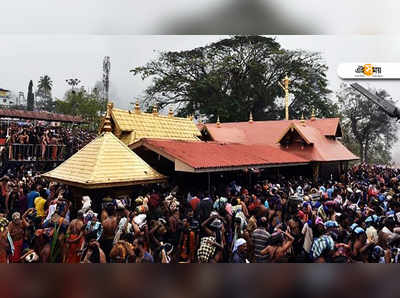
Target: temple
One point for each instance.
(134, 147)
(103, 167)
(106, 162)
(305, 145)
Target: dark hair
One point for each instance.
(261, 223)
(33, 187)
(43, 193)
(110, 208)
(276, 239)
(127, 237)
(91, 236)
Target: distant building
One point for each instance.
(5, 97)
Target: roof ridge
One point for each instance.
(282, 120)
(123, 144)
(97, 155)
(150, 114)
(130, 151)
(67, 161)
(93, 168)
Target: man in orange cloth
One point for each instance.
(74, 240)
(6, 245)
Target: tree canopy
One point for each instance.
(30, 97)
(43, 92)
(81, 103)
(368, 131)
(44, 86)
(235, 76)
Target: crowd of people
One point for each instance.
(353, 219)
(28, 142)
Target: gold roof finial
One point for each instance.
(313, 115)
(110, 106)
(302, 118)
(191, 117)
(170, 113)
(137, 107)
(285, 87)
(107, 120)
(251, 117)
(155, 112)
(218, 122)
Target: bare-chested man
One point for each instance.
(93, 253)
(109, 221)
(16, 229)
(74, 240)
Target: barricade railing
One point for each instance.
(35, 152)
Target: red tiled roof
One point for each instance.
(322, 148)
(327, 126)
(201, 155)
(264, 132)
(22, 114)
(245, 145)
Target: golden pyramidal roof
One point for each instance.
(104, 162)
(131, 126)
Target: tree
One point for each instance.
(31, 97)
(99, 92)
(368, 131)
(44, 88)
(234, 76)
(81, 103)
(45, 85)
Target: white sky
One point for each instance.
(160, 16)
(26, 57)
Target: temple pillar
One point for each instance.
(315, 168)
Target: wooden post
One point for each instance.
(249, 172)
(315, 172)
(209, 184)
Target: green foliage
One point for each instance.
(237, 75)
(31, 97)
(47, 104)
(43, 92)
(44, 87)
(55, 248)
(99, 92)
(368, 131)
(81, 103)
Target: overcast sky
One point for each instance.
(26, 57)
(200, 16)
